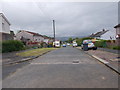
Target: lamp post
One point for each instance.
(54, 29)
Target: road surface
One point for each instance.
(63, 68)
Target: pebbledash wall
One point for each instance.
(5, 24)
(119, 12)
(0, 23)
(0, 27)
(29, 35)
(24, 34)
(4, 28)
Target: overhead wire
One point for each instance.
(46, 14)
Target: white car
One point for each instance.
(74, 44)
(68, 44)
(90, 44)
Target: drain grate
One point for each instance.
(76, 62)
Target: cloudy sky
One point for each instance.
(72, 18)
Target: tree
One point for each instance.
(76, 38)
(70, 40)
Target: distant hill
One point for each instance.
(66, 38)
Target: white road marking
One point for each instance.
(57, 63)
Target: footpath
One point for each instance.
(12, 58)
(108, 57)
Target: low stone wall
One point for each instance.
(113, 43)
(118, 42)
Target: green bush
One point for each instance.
(80, 40)
(12, 45)
(101, 43)
(116, 47)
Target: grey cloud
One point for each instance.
(71, 18)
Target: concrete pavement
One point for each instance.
(63, 68)
(110, 50)
(107, 57)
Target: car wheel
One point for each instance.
(95, 48)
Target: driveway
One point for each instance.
(63, 68)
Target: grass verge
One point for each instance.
(35, 52)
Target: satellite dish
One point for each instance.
(117, 36)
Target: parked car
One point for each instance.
(90, 44)
(74, 44)
(68, 44)
(64, 45)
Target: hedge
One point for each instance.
(12, 45)
(116, 47)
(101, 43)
(80, 40)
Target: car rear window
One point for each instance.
(87, 41)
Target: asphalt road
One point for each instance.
(12, 68)
(8, 69)
(63, 68)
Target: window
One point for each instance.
(3, 27)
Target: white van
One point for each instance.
(56, 43)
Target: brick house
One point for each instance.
(5, 33)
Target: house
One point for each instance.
(99, 35)
(109, 35)
(29, 36)
(48, 40)
(117, 27)
(119, 12)
(74, 41)
(5, 33)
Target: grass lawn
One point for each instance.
(35, 52)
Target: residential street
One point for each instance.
(66, 67)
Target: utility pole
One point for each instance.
(54, 29)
